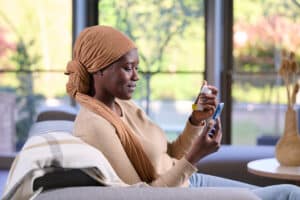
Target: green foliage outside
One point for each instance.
(31, 31)
(265, 28)
(26, 97)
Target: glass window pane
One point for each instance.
(35, 36)
(262, 29)
(170, 39)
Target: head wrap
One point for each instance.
(96, 48)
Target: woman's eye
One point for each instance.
(128, 68)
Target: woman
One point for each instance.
(102, 78)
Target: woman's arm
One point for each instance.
(179, 147)
(206, 144)
(186, 166)
(195, 124)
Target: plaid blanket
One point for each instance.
(43, 153)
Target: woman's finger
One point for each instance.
(209, 108)
(218, 134)
(213, 89)
(211, 101)
(207, 129)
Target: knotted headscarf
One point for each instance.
(96, 48)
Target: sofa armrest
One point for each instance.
(147, 193)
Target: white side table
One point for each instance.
(271, 168)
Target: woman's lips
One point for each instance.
(131, 87)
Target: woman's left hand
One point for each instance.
(208, 103)
(208, 142)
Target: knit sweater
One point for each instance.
(167, 157)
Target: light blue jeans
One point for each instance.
(274, 192)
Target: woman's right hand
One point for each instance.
(206, 144)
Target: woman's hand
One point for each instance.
(206, 143)
(208, 102)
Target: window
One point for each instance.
(35, 40)
(262, 29)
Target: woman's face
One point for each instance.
(119, 79)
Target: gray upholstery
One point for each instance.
(55, 115)
(146, 193)
(231, 162)
(50, 126)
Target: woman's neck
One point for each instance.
(110, 103)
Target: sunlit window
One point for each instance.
(262, 29)
(35, 45)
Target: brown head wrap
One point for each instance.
(96, 48)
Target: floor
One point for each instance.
(3, 176)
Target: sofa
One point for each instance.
(228, 162)
(73, 184)
(145, 193)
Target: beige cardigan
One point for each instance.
(167, 158)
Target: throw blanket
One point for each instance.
(44, 153)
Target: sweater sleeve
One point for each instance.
(176, 176)
(182, 144)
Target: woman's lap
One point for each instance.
(204, 180)
(280, 192)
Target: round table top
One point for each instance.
(271, 168)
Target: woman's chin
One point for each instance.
(126, 97)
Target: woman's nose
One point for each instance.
(135, 75)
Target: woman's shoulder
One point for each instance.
(85, 116)
(129, 106)
(88, 121)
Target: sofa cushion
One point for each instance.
(55, 115)
(231, 162)
(63, 112)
